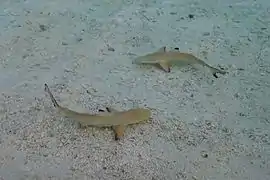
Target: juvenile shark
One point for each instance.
(168, 58)
(112, 118)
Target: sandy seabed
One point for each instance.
(202, 128)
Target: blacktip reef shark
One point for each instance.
(112, 118)
(168, 58)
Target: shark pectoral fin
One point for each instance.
(81, 125)
(118, 131)
(165, 66)
(162, 49)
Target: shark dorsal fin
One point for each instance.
(108, 111)
(162, 49)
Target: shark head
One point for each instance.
(150, 58)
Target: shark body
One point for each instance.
(118, 120)
(168, 58)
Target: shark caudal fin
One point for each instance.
(215, 71)
(55, 104)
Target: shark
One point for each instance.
(165, 59)
(118, 120)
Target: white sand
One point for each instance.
(65, 43)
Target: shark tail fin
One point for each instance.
(214, 71)
(55, 104)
